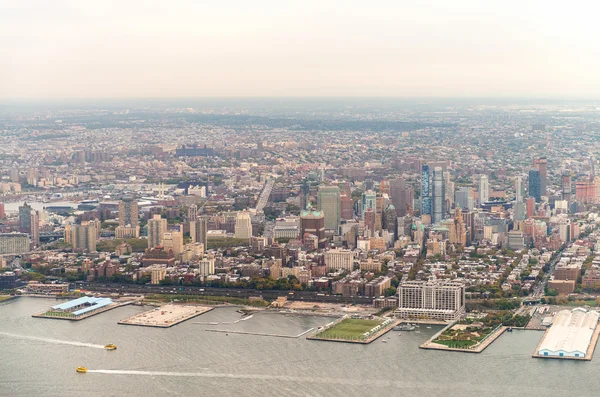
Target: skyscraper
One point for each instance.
(463, 199)
(34, 231)
(542, 166)
(426, 206)
(519, 189)
(198, 228)
(128, 212)
(566, 187)
(398, 195)
(83, 236)
(25, 218)
(484, 189)
(328, 201)
(535, 185)
(243, 226)
(438, 196)
(192, 213)
(157, 227)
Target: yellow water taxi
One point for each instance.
(81, 370)
(110, 346)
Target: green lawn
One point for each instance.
(349, 329)
(4, 297)
(59, 314)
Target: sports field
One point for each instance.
(349, 329)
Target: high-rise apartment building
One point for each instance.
(438, 196)
(426, 206)
(444, 300)
(484, 189)
(328, 201)
(157, 227)
(83, 236)
(566, 187)
(173, 240)
(535, 185)
(128, 212)
(198, 229)
(34, 231)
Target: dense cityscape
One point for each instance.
(424, 212)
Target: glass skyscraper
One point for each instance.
(426, 190)
(535, 185)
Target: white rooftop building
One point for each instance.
(570, 334)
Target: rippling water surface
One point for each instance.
(39, 357)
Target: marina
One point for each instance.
(166, 316)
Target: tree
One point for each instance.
(391, 291)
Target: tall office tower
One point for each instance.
(2, 213)
(370, 221)
(426, 206)
(535, 185)
(198, 229)
(530, 207)
(25, 218)
(390, 219)
(379, 203)
(542, 166)
(438, 196)
(34, 232)
(484, 189)
(243, 226)
(328, 201)
(128, 212)
(443, 300)
(84, 236)
(410, 199)
(566, 187)
(398, 195)
(346, 207)
(463, 198)
(519, 189)
(173, 240)
(313, 222)
(369, 200)
(304, 190)
(157, 227)
(192, 212)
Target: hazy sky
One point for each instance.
(90, 49)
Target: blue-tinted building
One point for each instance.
(425, 190)
(535, 185)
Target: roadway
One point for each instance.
(307, 296)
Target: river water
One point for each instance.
(39, 357)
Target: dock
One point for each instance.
(261, 334)
(478, 348)
(166, 316)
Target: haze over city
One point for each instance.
(232, 48)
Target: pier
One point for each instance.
(166, 316)
(260, 334)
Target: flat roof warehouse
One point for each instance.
(83, 305)
(570, 334)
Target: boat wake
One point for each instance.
(54, 341)
(265, 377)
